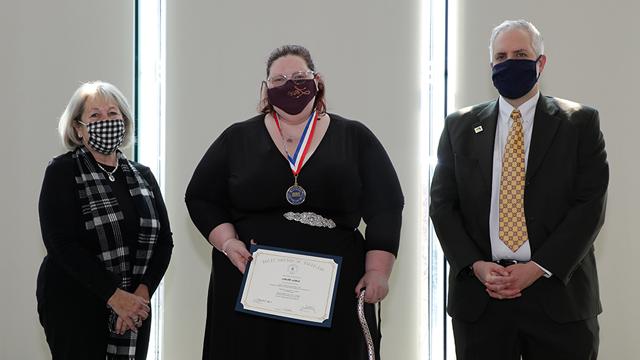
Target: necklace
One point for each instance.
(109, 173)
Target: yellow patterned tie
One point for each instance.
(513, 229)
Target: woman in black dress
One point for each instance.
(106, 231)
(239, 194)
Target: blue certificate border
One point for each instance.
(326, 323)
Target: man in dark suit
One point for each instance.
(517, 200)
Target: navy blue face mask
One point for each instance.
(515, 78)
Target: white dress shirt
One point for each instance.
(499, 250)
(527, 110)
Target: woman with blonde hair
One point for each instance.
(106, 231)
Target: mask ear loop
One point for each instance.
(538, 73)
(316, 79)
(76, 128)
(264, 98)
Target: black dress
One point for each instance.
(73, 285)
(242, 180)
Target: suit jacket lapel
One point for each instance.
(545, 126)
(484, 140)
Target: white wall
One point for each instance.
(367, 52)
(592, 49)
(215, 62)
(48, 49)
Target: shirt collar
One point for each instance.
(527, 109)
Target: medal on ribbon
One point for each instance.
(296, 194)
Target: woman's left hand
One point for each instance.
(143, 291)
(121, 326)
(378, 265)
(376, 284)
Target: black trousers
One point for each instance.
(75, 321)
(86, 338)
(519, 328)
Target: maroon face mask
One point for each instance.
(293, 96)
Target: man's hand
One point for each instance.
(506, 283)
(522, 275)
(495, 278)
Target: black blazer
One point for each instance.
(565, 196)
(71, 269)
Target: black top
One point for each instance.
(74, 249)
(242, 179)
(349, 177)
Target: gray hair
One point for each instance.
(536, 39)
(75, 107)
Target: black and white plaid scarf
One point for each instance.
(103, 215)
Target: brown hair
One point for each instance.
(296, 50)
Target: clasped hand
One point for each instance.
(506, 282)
(131, 309)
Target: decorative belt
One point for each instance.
(310, 218)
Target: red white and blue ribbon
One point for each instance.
(297, 160)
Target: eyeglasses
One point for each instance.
(297, 77)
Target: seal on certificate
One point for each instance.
(292, 269)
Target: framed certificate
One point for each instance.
(290, 285)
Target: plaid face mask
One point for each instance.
(105, 136)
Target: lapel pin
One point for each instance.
(478, 129)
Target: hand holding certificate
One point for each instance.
(290, 285)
